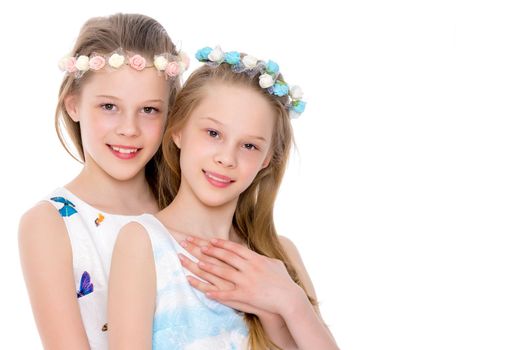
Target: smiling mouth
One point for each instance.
(218, 178)
(124, 150)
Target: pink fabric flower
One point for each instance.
(97, 62)
(137, 62)
(172, 69)
(70, 65)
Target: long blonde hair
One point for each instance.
(253, 218)
(131, 32)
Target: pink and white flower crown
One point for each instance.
(169, 64)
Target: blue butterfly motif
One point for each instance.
(86, 286)
(68, 208)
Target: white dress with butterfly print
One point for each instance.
(92, 234)
(185, 319)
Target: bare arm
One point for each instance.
(46, 259)
(132, 290)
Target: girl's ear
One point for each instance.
(176, 137)
(70, 102)
(267, 161)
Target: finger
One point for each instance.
(224, 296)
(207, 276)
(200, 285)
(232, 259)
(197, 241)
(226, 273)
(195, 250)
(233, 247)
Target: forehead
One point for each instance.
(126, 82)
(239, 108)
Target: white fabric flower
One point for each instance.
(296, 92)
(265, 80)
(249, 61)
(160, 62)
(116, 60)
(82, 63)
(62, 64)
(216, 55)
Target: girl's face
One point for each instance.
(122, 114)
(225, 143)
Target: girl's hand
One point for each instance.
(241, 278)
(254, 283)
(194, 245)
(211, 282)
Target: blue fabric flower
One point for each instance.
(280, 89)
(298, 106)
(202, 54)
(232, 57)
(272, 67)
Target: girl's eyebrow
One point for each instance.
(213, 120)
(119, 99)
(249, 136)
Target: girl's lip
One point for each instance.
(124, 152)
(124, 146)
(217, 180)
(218, 176)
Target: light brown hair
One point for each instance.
(132, 33)
(253, 217)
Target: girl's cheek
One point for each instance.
(154, 126)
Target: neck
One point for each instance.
(129, 197)
(187, 215)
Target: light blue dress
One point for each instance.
(184, 317)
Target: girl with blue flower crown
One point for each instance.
(113, 104)
(209, 271)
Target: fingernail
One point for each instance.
(189, 238)
(184, 244)
(205, 248)
(214, 240)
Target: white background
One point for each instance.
(406, 197)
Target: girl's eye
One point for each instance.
(213, 133)
(108, 106)
(250, 146)
(150, 110)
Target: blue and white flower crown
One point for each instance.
(251, 66)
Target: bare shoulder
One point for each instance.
(133, 236)
(133, 242)
(294, 255)
(41, 215)
(290, 248)
(297, 262)
(42, 227)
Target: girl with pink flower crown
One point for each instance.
(113, 104)
(209, 271)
